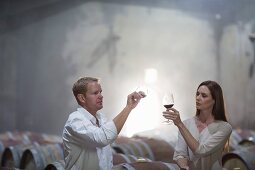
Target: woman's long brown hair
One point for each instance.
(219, 106)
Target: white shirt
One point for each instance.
(86, 145)
(211, 143)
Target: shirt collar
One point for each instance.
(89, 115)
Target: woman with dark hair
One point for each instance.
(201, 139)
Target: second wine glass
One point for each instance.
(142, 89)
(168, 102)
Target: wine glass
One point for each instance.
(143, 90)
(168, 102)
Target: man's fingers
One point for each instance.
(142, 94)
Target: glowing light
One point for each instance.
(146, 116)
(151, 75)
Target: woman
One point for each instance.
(202, 138)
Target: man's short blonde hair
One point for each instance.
(80, 86)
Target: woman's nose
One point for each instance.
(198, 97)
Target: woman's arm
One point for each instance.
(174, 115)
(181, 155)
(205, 147)
(189, 139)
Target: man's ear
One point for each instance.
(81, 98)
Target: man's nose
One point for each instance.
(100, 95)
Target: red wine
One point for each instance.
(167, 106)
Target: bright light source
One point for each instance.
(151, 75)
(146, 116)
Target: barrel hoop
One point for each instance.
(148, 149)
(26, 139)
(132, 156)
(40, 158)
(169, 165)
(136, 149)
(61, 151)
(122, 148)
(127, 166)
(125, 157)
(59, 165)
(56, 151)
(140, 148)
(39, 161)
(16, 156)
(129, 149)
(10, 135)
(54, 155)
(45, 154)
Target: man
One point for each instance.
(87, 134)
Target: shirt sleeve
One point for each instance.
(215, 141)
(181, 149)
(83, 132)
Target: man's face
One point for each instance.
(93, 97)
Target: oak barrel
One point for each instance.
(25, 138)
(153, 149)
(242, 138)
(57, 165)
(242, 159)
(37, 158)
(119, 158)
(12, 154)
(154, 165)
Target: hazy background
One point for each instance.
(46, 45)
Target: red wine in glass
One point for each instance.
(168, 106)
(168, 102)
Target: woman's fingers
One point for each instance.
(170, 115)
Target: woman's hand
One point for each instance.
(173, 114)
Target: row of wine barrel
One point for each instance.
(31, 156)
(28, 150)
(25, 137)
(241, 159)
(241, 155)
(138, 165)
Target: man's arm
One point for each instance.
(132, 101)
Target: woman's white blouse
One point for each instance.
(211, 140)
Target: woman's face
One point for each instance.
(204, 100)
